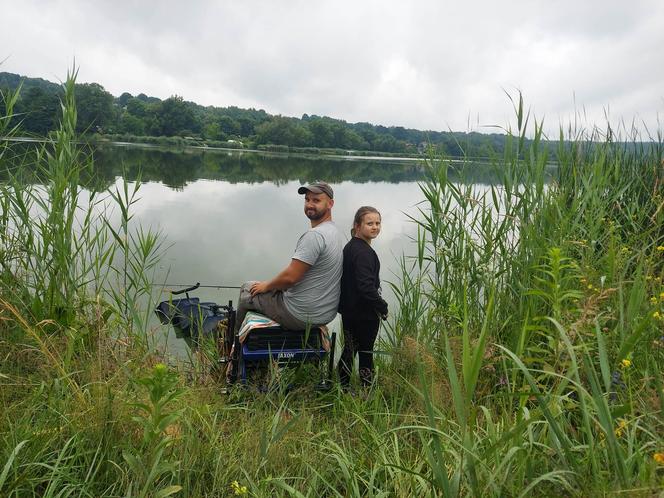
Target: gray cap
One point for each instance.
(317, 188)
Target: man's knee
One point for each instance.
(245, 293)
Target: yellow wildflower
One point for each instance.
(237, 489)
(624, 249)
(657, 315)
(622, 425)
(661, 296)
(660, 248)
(590, 286)
(659, 458)
(653, 300)
(626, 363)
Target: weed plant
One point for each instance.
(525, 357)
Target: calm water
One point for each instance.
(229, 217)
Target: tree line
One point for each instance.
(129, 116)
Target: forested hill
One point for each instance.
(129, 116)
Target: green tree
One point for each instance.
(124, 98)
(38, 109)
(321, 132)
(174, 116)
(368, 135)
(137, 107)
(229, 126)
(132, 124)
(212, 131)
(355, 141)
(96, 111)
(283, 131)
(387, 143)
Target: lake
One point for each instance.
(228, 217)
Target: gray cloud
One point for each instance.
(423, 64)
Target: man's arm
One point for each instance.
(291, 275)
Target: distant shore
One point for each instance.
(271, 150)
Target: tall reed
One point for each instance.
(59, 237)
(540, 283)
(74, 287)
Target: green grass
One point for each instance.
(525, 357)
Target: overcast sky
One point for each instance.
(423, 64)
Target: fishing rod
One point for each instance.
(197, 285)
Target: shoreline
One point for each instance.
(170, 147)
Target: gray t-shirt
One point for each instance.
(315, 298)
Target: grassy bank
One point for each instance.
(525, 357)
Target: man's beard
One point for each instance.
(314, 215)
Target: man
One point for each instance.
(306, 293)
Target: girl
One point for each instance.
(361, 305)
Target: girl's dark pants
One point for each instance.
(359, 338)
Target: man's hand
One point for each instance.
(291, 275)
(258, 288)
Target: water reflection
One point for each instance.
(177, 169)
